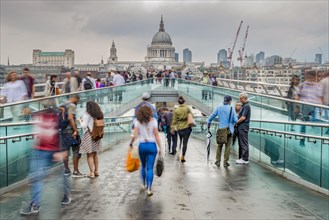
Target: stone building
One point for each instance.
(65, 59)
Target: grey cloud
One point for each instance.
(276, 27)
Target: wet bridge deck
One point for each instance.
(193, 190)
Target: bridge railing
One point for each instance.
(263, 107)
(15, 149)
(301, 157)
(256, 87)
(109, 98)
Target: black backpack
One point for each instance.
(88, 84)
(63, 117)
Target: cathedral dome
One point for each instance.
(161, 37)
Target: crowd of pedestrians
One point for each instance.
(233, 123)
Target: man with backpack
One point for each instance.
(70, 135)
(166, 120)
(88, 82)
(146, 96)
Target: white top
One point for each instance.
(14, 91)
(118, 80)
(145, 131)
(87, 122)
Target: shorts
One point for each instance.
(65, 147)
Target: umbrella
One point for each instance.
(165, 137)
(209, 135)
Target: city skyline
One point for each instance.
(89, 28)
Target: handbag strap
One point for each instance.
(229, 118)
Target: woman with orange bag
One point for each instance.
(146, 128)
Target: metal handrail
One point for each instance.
(34, 122)
(281, 132)
(67, 94)
(291, 134)
(323, 125)
(253, 82)
(36, 133)
(262, 95)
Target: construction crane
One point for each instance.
(241, 52)
(230, 52)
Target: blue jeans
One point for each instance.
(147, 154)
(41, 162)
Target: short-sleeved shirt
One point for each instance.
(71, 109)
(146, 131)
(245, 111)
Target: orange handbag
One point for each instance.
(57, 91)
(132, 164)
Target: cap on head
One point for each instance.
(227, 98)
(146, 96)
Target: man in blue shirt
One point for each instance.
(226, 119)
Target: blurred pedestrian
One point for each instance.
(45, 153)
(14, 90)
(146, 129)
(70, 83)
(325, 84)
(312, 92)
(29, 83)
(293, 108)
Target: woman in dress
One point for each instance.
(180, 122)
(146, 128)
(88, 145)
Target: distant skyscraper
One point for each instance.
(318, 58)
(187, 55)
(272, 60)
(176, 57)
(260, 59)
(221, 56)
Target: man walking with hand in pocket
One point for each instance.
(226, 119)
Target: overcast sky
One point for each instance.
(205, 27)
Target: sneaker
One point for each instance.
(66, 200)
(78, 175)
(241, 161)
(29, 209)
(227, 164)
(67, 172)
(149, 193)
(143, 187)
(217, 163)
(182, 159)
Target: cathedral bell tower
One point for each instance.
(113, 54)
